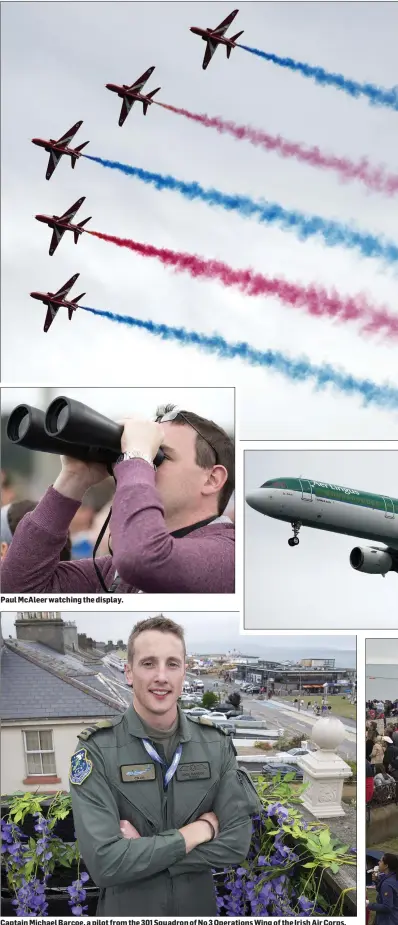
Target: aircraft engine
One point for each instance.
(371, 560)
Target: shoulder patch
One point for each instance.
(91, 730)
(80, 767)
(207, 721)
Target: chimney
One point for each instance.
(46, 627)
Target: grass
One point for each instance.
(340, 706)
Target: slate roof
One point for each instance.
(38, 683)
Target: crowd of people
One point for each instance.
(381, 752)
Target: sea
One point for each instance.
(382, 681)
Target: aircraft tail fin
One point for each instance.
(72, 307)
(233, 39)
(149, 95)
(78, 148)
(76, 233)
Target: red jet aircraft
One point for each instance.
(133, 93)
(60, 147)
(62, 223)
(54, 301)
(215, 37)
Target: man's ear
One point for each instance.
(216, 478)
(128, 674)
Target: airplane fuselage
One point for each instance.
(53, 222)
(207, 34)
(47, 298)
(329, 507)
(131, 94)
(53, 146)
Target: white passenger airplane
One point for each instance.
(305, 503)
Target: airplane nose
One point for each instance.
(255, 499)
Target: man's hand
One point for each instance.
(195, 833)
(212, 818)
(145, 436)
(77, 477)
(128, 830)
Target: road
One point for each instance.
(286, 716)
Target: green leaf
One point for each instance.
(334, 868)
(310, 864)
(324, 838)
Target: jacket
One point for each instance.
(153, 875)
(146, 557)
(386, 905)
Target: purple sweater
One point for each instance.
(146, 557)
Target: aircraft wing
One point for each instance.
(210, 49)
(55, 156)
(51, 313)
(126, 106)
(67, 138)
(138, 85)
(70, 213)
(55, 239)
(63, 291)
(219, 30)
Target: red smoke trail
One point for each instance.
(375, 178)
(313, 299)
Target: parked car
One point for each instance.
(299, 751)
(197, 711)
(271, 770)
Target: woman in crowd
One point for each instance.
(386, 881)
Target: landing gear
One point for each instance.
(294, 541)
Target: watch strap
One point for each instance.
(134, 454)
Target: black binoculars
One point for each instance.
(69, 428)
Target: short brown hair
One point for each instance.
(161, 624)
(223, 452)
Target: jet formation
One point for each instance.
(56, 148)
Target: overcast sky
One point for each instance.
(212, 633)
(313, 585)
(57, 58)
(382, 651)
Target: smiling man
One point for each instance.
(169, 530)
(157, 797)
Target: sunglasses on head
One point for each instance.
(172, 415)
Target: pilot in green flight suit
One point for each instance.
(157, 797)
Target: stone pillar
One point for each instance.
(324, 771)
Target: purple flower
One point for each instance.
(305, 905)
(78, 910)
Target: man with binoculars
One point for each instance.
(174, 478)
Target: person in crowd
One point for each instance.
(386, 881)
(377, 754)
(7, 488)
(157, 796)
(168, 529)
(11, 516)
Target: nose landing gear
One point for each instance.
(294, 540)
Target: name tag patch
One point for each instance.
(196, 770)
(135, 772)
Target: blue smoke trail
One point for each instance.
(300, 370)
(305, 226)
(378, 96)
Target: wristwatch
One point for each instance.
(134, 454)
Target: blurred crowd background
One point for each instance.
(26, 474)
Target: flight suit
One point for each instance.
(112, 778)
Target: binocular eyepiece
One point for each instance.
(69, 428)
